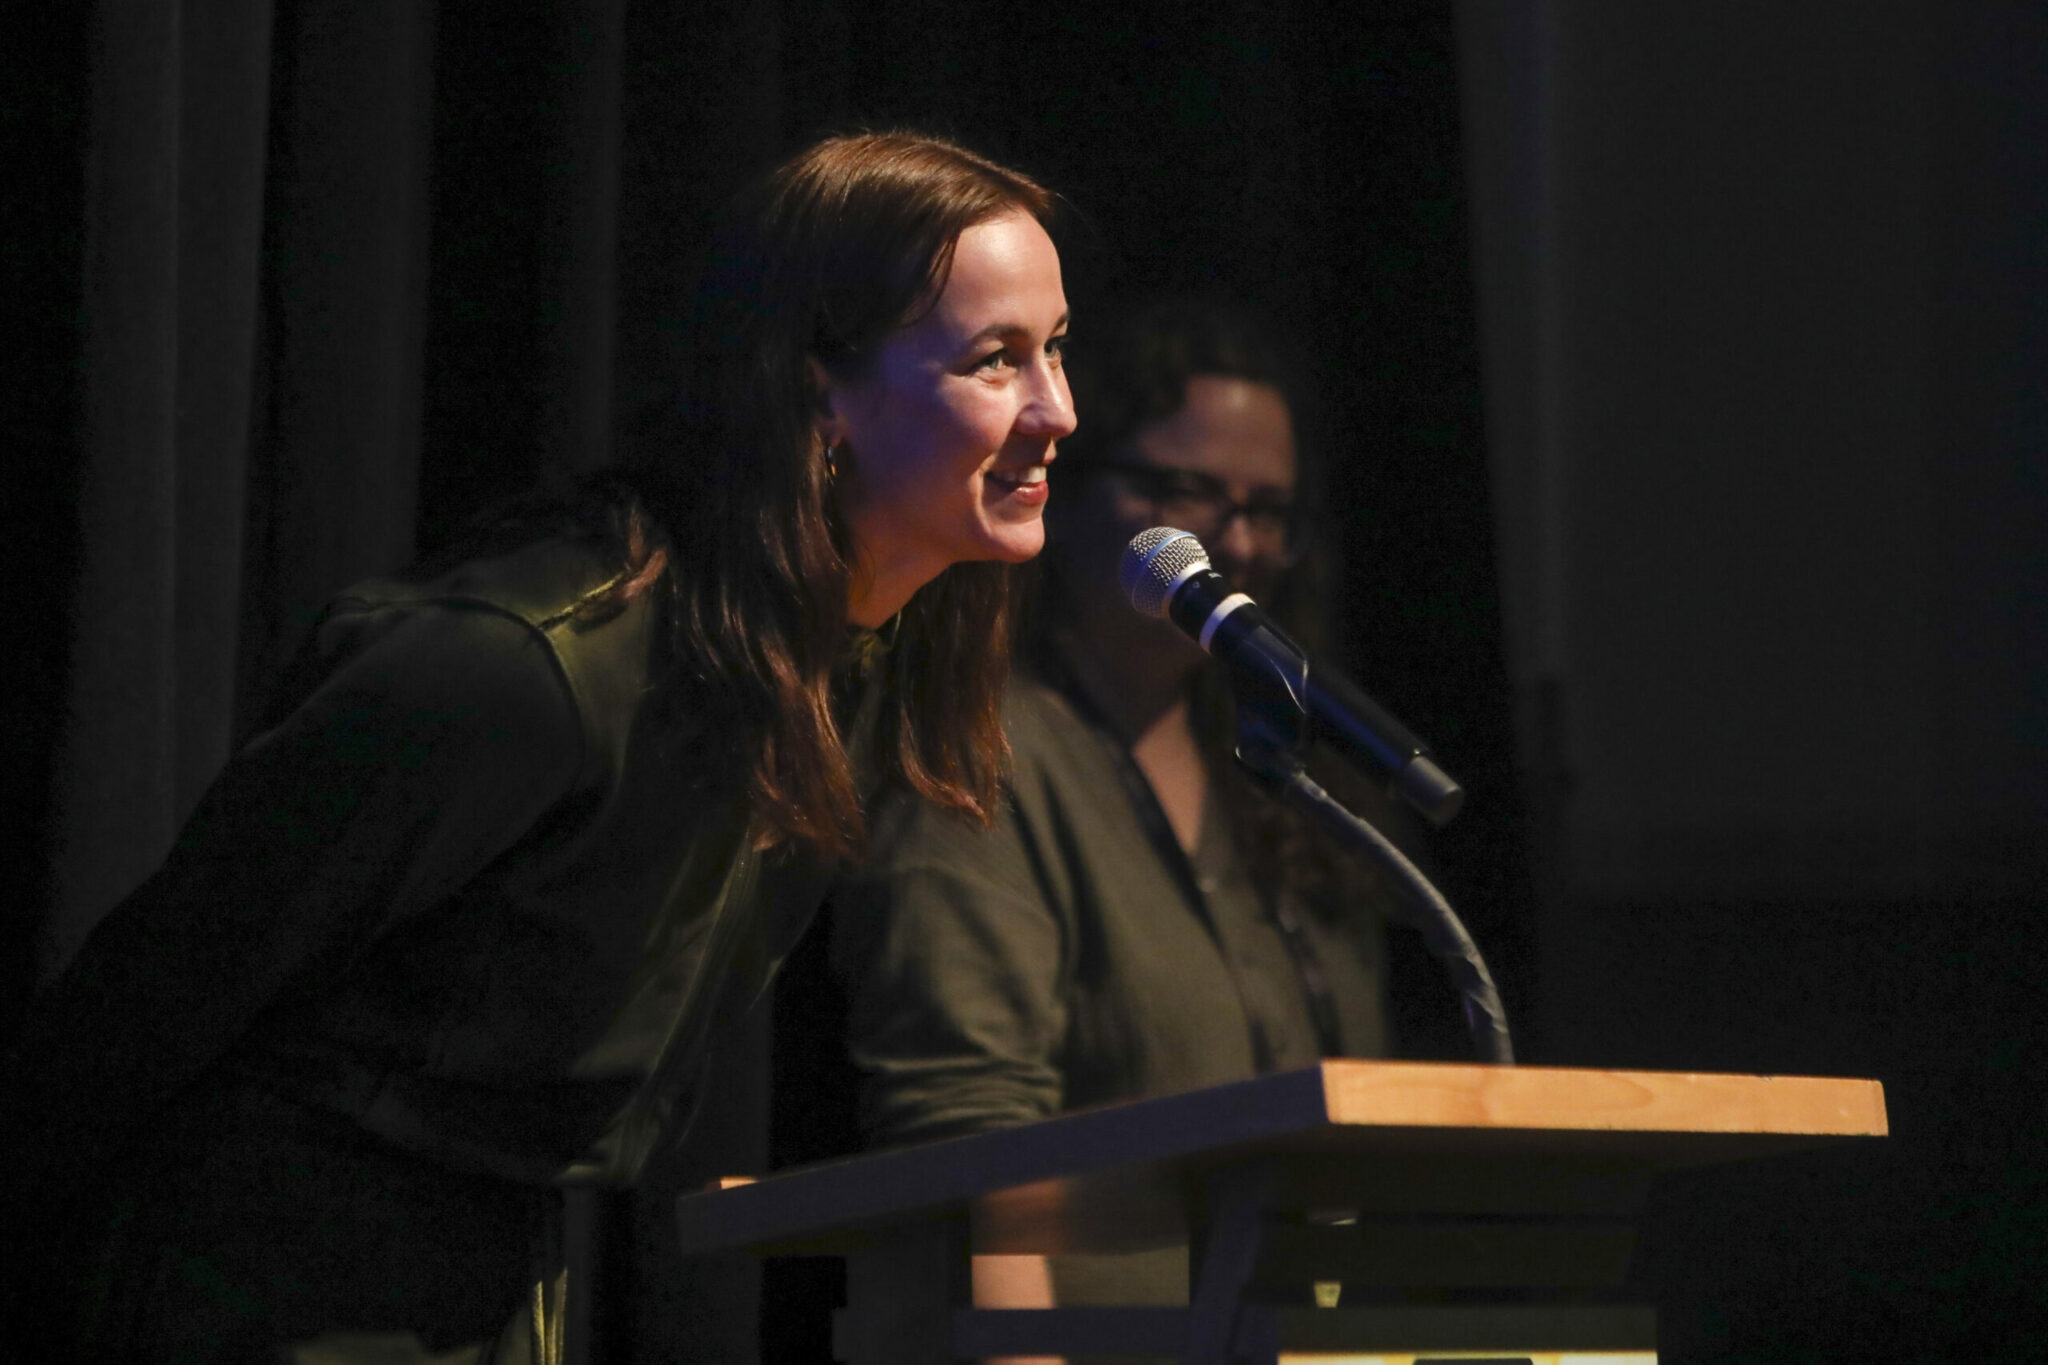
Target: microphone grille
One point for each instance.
(1151, 563)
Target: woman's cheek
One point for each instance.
(979, 421)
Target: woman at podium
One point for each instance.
(454, 928)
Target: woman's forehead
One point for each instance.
(1005, 277)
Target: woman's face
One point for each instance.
(943, 440)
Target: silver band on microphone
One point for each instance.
(1222, 612)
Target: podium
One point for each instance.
(1439, 1211)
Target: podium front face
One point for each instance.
(1351, 1211)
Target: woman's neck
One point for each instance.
(880, 591)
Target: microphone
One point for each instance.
(1166, 573)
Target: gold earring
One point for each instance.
(831, 461)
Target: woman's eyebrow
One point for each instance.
(997, 330)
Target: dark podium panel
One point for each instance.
(1438, 1209)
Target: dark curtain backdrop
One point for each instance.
(1764, 295)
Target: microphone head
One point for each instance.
(1153, 562)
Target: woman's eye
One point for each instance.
(1056, 347)
(994, 360)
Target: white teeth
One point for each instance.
(1026, 477)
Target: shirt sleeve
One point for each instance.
(439, 736)
(952, 957)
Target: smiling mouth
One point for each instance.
(1028, 477)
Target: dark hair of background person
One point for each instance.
(822, 259)
(1134, 371)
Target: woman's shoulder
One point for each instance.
(1055, 746)
(1038, 720)
(541, 581)
(547, 609)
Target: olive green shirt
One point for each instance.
(1073, 955)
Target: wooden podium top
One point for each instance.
(1387, 1137)
(1560, 1099)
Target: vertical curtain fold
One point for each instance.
(580, 417)
(225, 95)
(1507, 86)
(335, 460)
(116, 761)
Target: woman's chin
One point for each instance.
(1012, 542)
(1019, 547)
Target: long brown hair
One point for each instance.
(820, 259)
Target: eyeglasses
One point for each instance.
(1200, 505)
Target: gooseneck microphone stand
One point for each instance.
(1271, 738)
(1166, 573)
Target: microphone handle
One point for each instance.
(1357, 726)
(1229, 624)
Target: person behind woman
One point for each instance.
(460, 920)
(1139, 920)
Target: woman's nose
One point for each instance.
(1050, 409)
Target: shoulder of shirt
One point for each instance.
(603, 656)
(541, 582)
(1034, 712)
(1053, 743)
(1042, 731)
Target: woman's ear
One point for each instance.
(825, 416)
